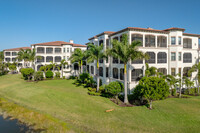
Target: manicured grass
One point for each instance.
(83, 113)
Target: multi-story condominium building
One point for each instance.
(171, 51)
(10, 55)
(55, 52)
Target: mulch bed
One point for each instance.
(120, 103)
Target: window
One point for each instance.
(187, 58)
(14, 53)
(162, 70)
(57, 50)
(101, 71)
(92, 70)
(162, 57)
(67, 50)
(7, 59)
(152, 58)
(40, 59)
(162, 41)
(137, 37)
(179, 40)
(115, 73)
(179, 71)
(100, 42)
(7, 53)
(49, 50)
(115, 60)
(173, 40)
(107, 70)
(14, 59)
(107, 43)
(173, 71)
(40, 50)
(136, 74)
(187, 43)
(100, 60)
(179, 56)
(121, 62)
(63, 50)
(49, 58)
(185, 71)
(173, 56)
(57, 59)
(149, 41)
(122, 74)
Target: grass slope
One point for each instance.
(83, 113)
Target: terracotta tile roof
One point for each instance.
(59, 43)
(17, 49)
(174, 28)
(189, 34)
(92, 37)
(105, 32)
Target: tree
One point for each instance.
(150, 71)
(12, 68)
(195, 67)
(172, 82)
(126, 52)
(152, 88)
(180, 83)
(63, 63)
(44, 69)
(93, 53)
(24, 55)
(1, 56)
(33, 57)
(78, 56)
(27, 73)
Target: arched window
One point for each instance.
(152, 58)
(149, 41)
(49, 50)
(115, 60)
(92, 69)
(49, 59)
(40, 50)
(137, 37)
(187, 43)
(76, 67)
(122, 74)
(162, 57)
(136, 74)
(162, 70)
(58, 59)
(40, 59)
(185, 71)
(162, 41)
(115, 73)
(187, 58)
(101, 71)
(7, 59)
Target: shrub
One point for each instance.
(38, 76)
(12, 68)
(72, 77)
(92, 91)
(27, 73)
(151, 88)
(49, 74)
(114, 89)
(57, 74)
(173, 92)
(83, 76)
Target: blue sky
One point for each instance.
(25, 22)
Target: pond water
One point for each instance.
(11, 126)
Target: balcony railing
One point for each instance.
(162, 44)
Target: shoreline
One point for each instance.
(34, 121)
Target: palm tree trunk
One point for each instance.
(62, 71)
(150, 106)
(97, 75)
(180, 88)
(125, 85)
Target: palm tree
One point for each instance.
(78, 56)
(44, 69)
(93, 53)
(63, 63)
(195, 67)
(150, 71)
(24, 55)
(33, 57)
(171, 80)
(126, 52)
(1, 56)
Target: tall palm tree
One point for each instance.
(33, 57)
(150, 71)
(78, 56)
(126, 52)
(62, 64)
(195, 67)
(1, 56)
(24, 55)
(53, 65)
(93, 53)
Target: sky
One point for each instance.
(26, 22)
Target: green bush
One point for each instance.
(151, 88)
(114, 89)
(49, 74)
(191, 91)
(92, 91)
(72, 77)
(173, 92)
(57, 74)
(12, 68)
(27, 73)
(38, 76)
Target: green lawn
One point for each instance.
(83, 113)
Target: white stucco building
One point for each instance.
(55, 52)
(10, 55)
(171, 51)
